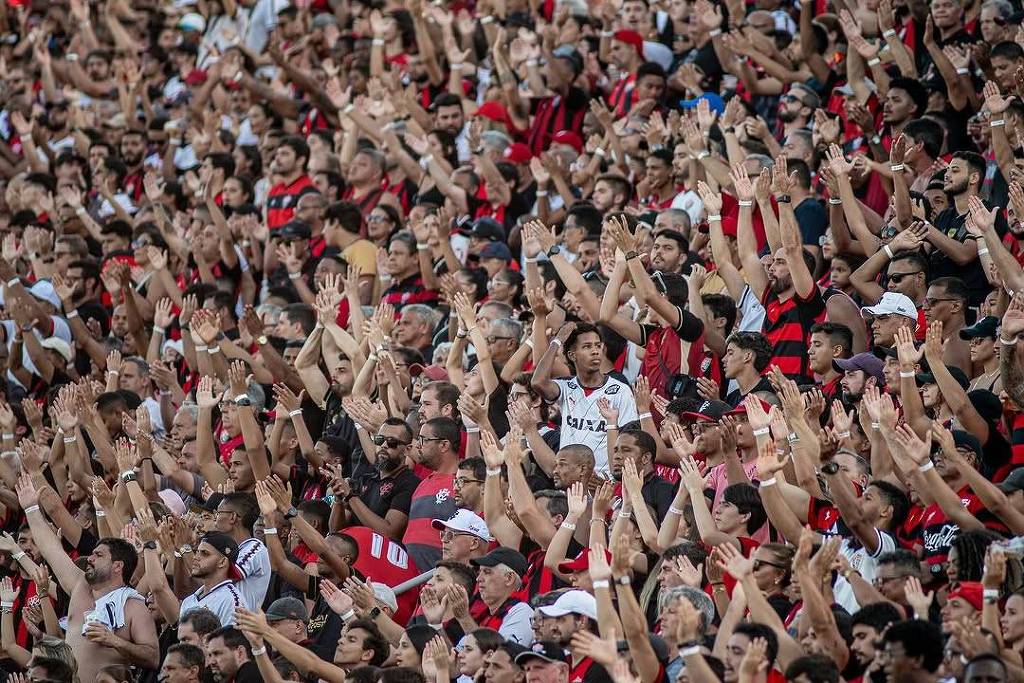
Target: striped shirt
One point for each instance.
(282, 200)
(431, 500)
(222, 600)
(787, 324)
(254, 563)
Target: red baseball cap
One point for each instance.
(493, 111)
(971, 591)
(567, 137)
(580, 563)
(518, 153)
(631, 38)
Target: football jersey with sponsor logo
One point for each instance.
(581, 419)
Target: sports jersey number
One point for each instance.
(396, 554)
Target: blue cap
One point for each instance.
(715, 101)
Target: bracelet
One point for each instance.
(18, 555)
(876, 425)
(641, 416)
(294, 276)
(897, 167)
(348, 615)
(6, 605)
(625, 514)
(599, 520)
(833, 201)
(200, 348)
(73, 313)
(690, 651)
(128, 476)
(715, 32)
(600, 583)
(360, 428)
(422, 247)
(270, 530)
(457, 66)
(257, 651)
(997, 123)
(472, 430)
(715, 217)
(746, 203)
(925, 467)
(1005, 342)
(185, 549)
(31, 508)
(673, 510)
(213, 350)
(528, 259)
(600, 152)
(373, 357)
(174, 142)
(703, 154)
(568, 525)
(982, 251)
(907, 374)
(874, 61)
(115, 373)
(293, 413)
(843, 434)
(889, 33)
(557, 341)
(8, 435)
(542, 193)
(377, 42)
(888, 251)
(13, 281)
(607, 34)
(493, 472)
(101, 513)
(963, 71)
(530, 62)
(159, 330)
(529, 343)
(763, 431)
(623, 580)
(793, 438)
(70, 439)
(990, 594)
(770, 481)
(487, 19)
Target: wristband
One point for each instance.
(745, 203)
(101, 513)
(625, 514)
(257, 651)
(349, 108)
(925, 467)
(889, 33)
(833, 201)
(486, 20)
(159, 330)
(568, 525)
(294, 276)
(128, 476)
(982, 251)
(770, 481)
(293, 413)
(422, 247)
(673, 510)
(348, 615)
(270, 530)
(13, 281)
(990, 594)
(907, 373)
(897, 167)
(542, 193)
(528, 259)
(373, 357)
(213, 350)
(173, 142)
(31, 508)
(18, 555)
(73, 313)
(472, 430)
(200, 348)
(457, 66)
(623, 580)
(556, 341)
(530, 62)
(360, 428)
(690, 651)
(70, 439)
(843, 435)
(997, 123)
(715, 217)
(888, 251)
(7, 605)
(643, 415)
(962, 71)
(529, 343)
(1007, 342)
(493, 472)
(876, 425)
(377, 42)
(715, 32)
(874, 61)
(8, 435)
(703, 154)
(600, 583)
(607, 34)
(793, 438)
(763, 431)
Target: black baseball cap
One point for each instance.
(487, 229)
(228, 547)
(958, 374)
(967, 440)
(545, 650)
(709, 411)
(512, 559)
(1013, 482)
(986, 327)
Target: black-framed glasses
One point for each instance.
(882, 580)
(462, 481)
(390, 441)
(493, 338)
(897, 278)
(422, 439)
(761, 563)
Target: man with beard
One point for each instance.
(574, 611)
(796, 108)
(946, 302)
(860, 372)
(364, 176)
(464, 537)
(183, 664)
(788, 292)
(289, 167)
(229, 657)
(108, 622)
(867, 626)
(133, 152)
(235, 516)
(450, 117)
(955, 252)
(213, 565)
(381, 499)
(437, 449)
(670, 252)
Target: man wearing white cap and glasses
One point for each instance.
(574, 611)
(892, 312)
(463, 537)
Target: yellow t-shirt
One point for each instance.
(363, 255)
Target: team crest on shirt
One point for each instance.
(385, 489)
(612, 389)
(441, 497)
(286, 200)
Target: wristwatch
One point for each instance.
(374, 612)
(783, 199)
(261, 340)
(292, 513)
(554, 250)
(149, 545)
(243, 401)
(831, 467)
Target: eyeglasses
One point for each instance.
(882, 316)
(760, 563)
(929, 301)
(493, 338)
(897, 278)
(420, 439)
(449, 534)
(391, 441)
(462, 481)
(881, 580)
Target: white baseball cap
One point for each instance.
(385, 594)
(892, 303)
(572, 602)
(192, 21)
(466, 522)
(59, 345)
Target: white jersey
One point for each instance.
(254, 563)
(581, 420)
(222, 600)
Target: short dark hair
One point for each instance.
(986, 656)
(447, 393)
(895, 497)
(802, 171)
(975, 163)
(298, 145)
(399, 422)
(754, 630)
(463, 574)
(233, 638)
(720, 305)
(903, 558)
(447, 100)
(1008, 49)
(347, 215)
(446, 429)
(954, 286)
(476, 465)
(838, 335)
(580, 330)
(915, 257)
(557, 501)
(400, 674)
(124, 552)
(919, 639)
(202, 620)
(587, 215)
(929, 133)
(877, 615)
(302, 314)
(190, 654)
(318, 510)
(817, 669)
(644, 441)
(373, 641)
(245, 506)
(748, 501)
(756, 342)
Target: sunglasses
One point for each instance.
(391, 441)
(897, 278)
(761, 563)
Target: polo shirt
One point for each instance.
(392, 493)
(221, 599)
(431, 500)
(282, 200)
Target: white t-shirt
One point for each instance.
(864, 562)
(222, 600)
(581, 420)
(254, 563)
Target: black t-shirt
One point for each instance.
(393, 493)
(325, 625)
(952, 224)
(735, 397)
(812, 217)
(659, 494)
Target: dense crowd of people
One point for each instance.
(630, 341)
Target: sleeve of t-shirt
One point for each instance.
(646, 329)
(363, 254)
(690, 326)
(402, 500)
(562, 390)
(626, 404)
(886, 543)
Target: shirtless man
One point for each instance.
(108, 622)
